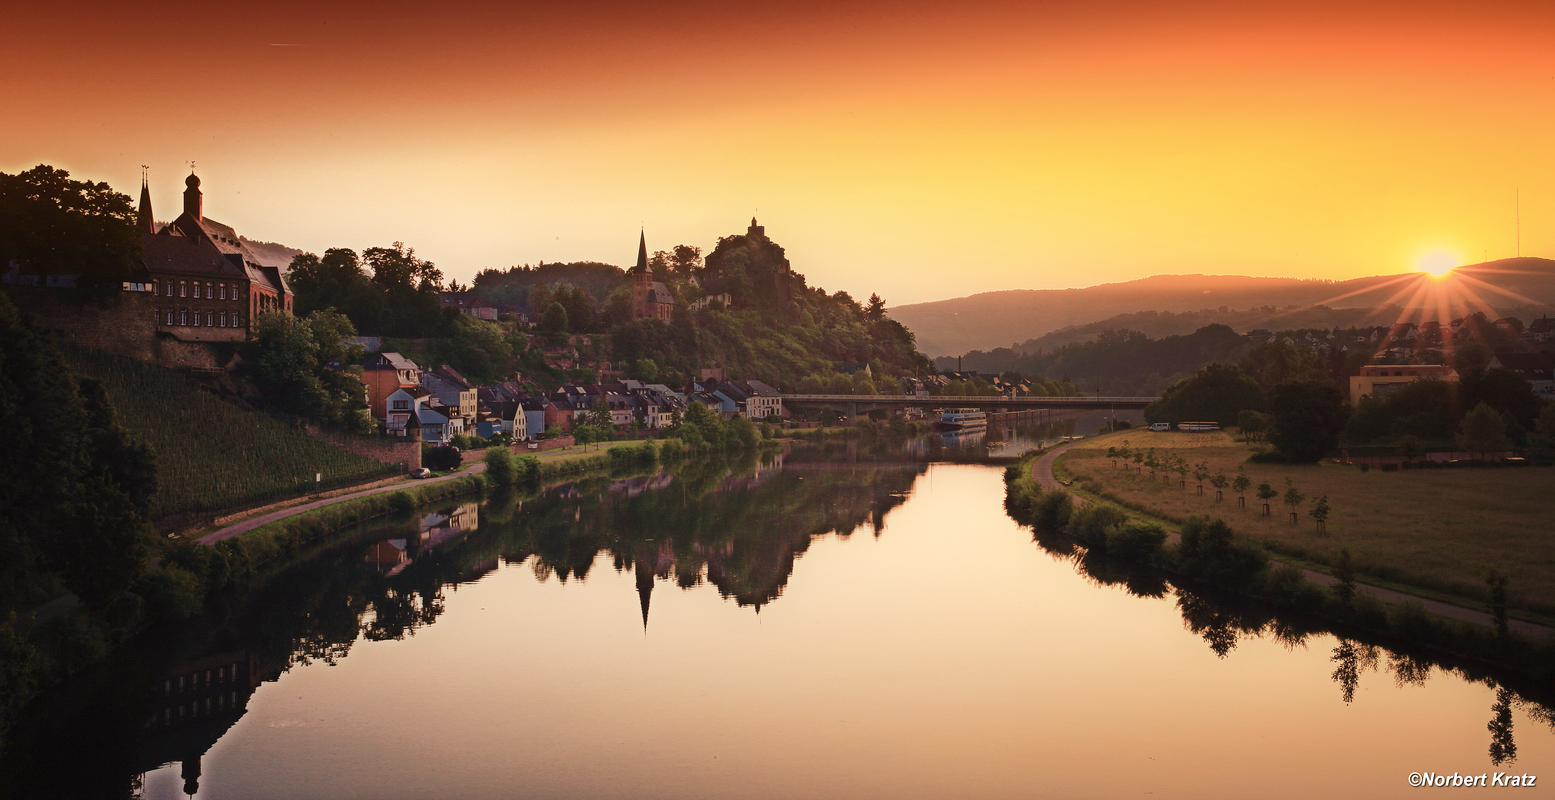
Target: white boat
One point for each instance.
(960, 419)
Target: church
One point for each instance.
(205, 283)
(651, 299)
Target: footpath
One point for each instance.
(1042, 472)
(240, 528)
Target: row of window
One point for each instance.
(197, 318)
(205, 289)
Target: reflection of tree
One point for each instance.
(1351, 659)
(1204, 618)
(1408, 670)
(1502, 746)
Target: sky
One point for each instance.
(918, 150)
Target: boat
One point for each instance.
(961, 419)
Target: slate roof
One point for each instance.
(390, 361)
(185, 256)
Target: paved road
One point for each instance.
(1042, 471)
(239, 528)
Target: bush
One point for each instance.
(1089, 524)
(443, 459)
(1136, 540)
(401, 501)
(526, 468)
(1051, 509)
(500, 469)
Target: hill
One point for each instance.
(271, 254)
(995, 319)
(212, 455)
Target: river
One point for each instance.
(849, 622)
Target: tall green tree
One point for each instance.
(1218, 392)
(1305, 420)
(52, 225)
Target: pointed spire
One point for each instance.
(644, 589)
(144, 220)
(642, 253)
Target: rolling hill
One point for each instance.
(998, 319)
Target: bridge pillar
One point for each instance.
(852, 413)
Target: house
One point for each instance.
(1537, 368)
(400, 408)
(384, 374)
(1540, 330)
(1376, 379)
(761, 401)
(436, 426)
(468, 303)
(452, 391)
(504, 417)
(208, 285)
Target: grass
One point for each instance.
(212, 455)
(1437, 530)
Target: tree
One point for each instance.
(1319, 513)
(555, 320)
(52, 225)
(1200, 472)
(1252, 424)
(875, 309)
(1293, 498)
(1216, 392)
(1267, 493)
(1305, 420)
(1345, 572)
(1219, 481)
(1240, 485)
(500, 469)
(1483, 432)
(299, 367)
(443, 459)
(397, 268)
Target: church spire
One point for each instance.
(642, 252)
(144, 221)
(644, 588)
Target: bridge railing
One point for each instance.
(962, 400)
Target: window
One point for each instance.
(210, 319)
(224, 291)
(170, 316)
(183, 289)
(183, 317)
(221, 320)
(401, 405)
(197, 319)
(156, 287)
(237, 321)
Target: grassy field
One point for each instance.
(1440, 530)
(212, 455)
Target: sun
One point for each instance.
(1437, 262)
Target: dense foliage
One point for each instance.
(78, 489)
(1218, 392)
(306, 367)
(387, 291)
(52, 225)
(1129, 362)
(1305, 420)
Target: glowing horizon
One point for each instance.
(919, 152)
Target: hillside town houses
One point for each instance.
(437, 405)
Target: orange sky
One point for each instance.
(923, 151)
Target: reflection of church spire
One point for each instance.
(190, 772)
(644, 588)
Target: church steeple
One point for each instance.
(144, 220)
(642, 253)
(644, 588)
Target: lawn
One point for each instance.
(1440, 530)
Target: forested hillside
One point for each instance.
(995, 319)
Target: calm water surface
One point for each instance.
(800, 629)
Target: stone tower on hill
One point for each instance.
(751, 268)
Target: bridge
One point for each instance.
(856, 403)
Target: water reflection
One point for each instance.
(1223, 622)
(741, 529)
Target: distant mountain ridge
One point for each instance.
(271, 254)
(998, 319)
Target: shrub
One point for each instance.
(443, 459)
(526, 468)
(1051, 509)
(1136, 540)
(499, 466)
(1089, 524)
(401, 501)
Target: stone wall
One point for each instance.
(124, 324)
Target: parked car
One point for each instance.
(421, 472)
